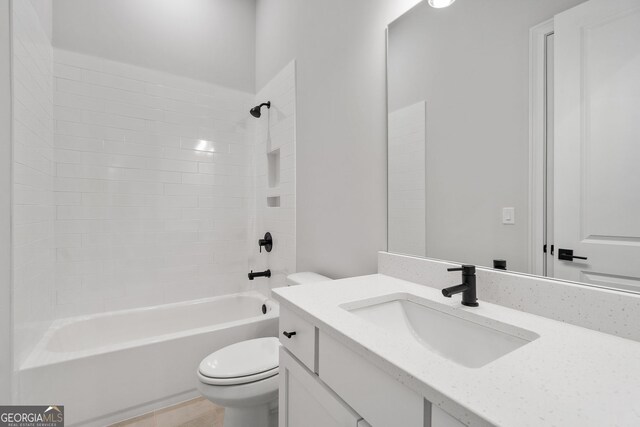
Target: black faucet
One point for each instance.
(467, 288)
(266, 273)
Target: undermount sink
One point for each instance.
(458, 335)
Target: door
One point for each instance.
(549, 252)
(304, 401)
(597, 143)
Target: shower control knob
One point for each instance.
(267, 242)
(288, 334)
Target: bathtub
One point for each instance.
(112, 366)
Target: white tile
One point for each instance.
(145, 178)
(153, 187)
(67, 72)
(113, 81)
(281, 130)
(33, 204)
(140, 112)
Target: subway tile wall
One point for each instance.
(33, 170)
(275, 180)
(153, 182)
(133, 187)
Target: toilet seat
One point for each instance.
(241, 363)
(240, 380)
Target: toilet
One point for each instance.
(243, 377)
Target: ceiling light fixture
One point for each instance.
(439, 4)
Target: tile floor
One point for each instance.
(192, 413)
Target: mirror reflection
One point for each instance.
(513, 137)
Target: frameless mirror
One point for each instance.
(514, 135)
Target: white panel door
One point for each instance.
(597, 143)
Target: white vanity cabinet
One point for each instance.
(306, 402)
(325, 384)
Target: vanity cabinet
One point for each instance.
(325, 384)
(306, 402)
(380, 399)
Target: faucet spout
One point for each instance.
(448, 292)
(266, 273)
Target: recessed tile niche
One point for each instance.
(273, 161)
(273, 202)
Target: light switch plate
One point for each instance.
(509, 216)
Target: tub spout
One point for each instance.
(266, 273)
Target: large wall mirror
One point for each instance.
(514, 134)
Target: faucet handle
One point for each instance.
(467, 269)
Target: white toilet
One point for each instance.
(243, 377)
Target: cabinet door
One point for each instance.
(377, 396)
(307, 402)
(440, 418)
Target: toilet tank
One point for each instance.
(305, 278)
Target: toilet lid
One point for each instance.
(240, 380)
(243, 359)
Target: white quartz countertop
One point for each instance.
(570, 376)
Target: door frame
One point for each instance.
(537, 145)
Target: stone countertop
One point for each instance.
(569, 376)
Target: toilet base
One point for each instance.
(253, 404)
(255, 416)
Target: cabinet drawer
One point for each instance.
(303, 344)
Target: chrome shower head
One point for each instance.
(255, 111)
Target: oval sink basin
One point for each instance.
(460, 336)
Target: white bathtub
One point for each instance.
(112, 366)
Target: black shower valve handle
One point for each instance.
(267, 242)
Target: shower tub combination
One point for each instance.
(113, 366)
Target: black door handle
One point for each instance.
(567, 255)
(288, 334)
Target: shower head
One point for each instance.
(255, 111)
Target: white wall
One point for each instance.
(208, 40)
(339, 48)
(475, 80)
(6, 337)
(152, 186)
(275, 134)
(33, 209)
